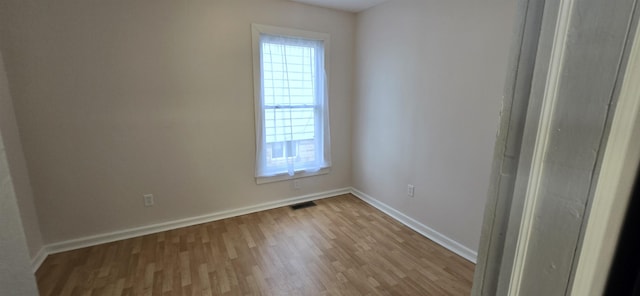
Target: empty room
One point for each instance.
(106, 102)
(262, 147)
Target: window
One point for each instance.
(292, 126)
(279, 149)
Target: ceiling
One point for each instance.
(348, 5)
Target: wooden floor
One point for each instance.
(340, 247)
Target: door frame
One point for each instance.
(614, 185)
(511, 205)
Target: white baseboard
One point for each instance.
(38, 259)
(98, 239)
(424, 230)
(150, 229)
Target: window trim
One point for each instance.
(256, 30)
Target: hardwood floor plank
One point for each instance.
(340, 247)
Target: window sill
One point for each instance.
(285, 176)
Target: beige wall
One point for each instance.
(429, 84)
(16, 277)
(116, 99)
(18, 168)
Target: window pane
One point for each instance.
(306, 151)
(288, 74)
(300, 151)
(288, 124)
(277, 150)
(292, 148)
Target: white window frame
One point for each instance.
(257, 30)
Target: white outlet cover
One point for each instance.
(411, 190)
(148, 200)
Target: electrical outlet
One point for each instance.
(297, 185)
(148, 200)
(410, 190)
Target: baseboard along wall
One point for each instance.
(98, 239)
(418, 227)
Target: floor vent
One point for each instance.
(303, 205)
